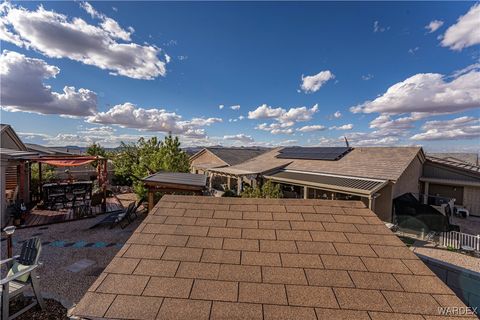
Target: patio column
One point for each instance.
(210, 181)
(3, 200)
(425, 192)
(239, 185)
(150, 200)
(229, 183)
(371, 203)
(305, 193)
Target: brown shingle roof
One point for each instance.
(231, 258)
(455, 164)
(387, 163)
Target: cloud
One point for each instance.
(56, 36)
(235, 107)
(311, 128)
(314, 83)
(265, 112)
(455, 129)
(128, 115)
(413, 50)
(274, 128)
(348, 126)
(337, 114)
(284, 119)
(429, 93)
(22, 88)
(105, 136)
(434, 26)
(464, 33)
(378, 28)
(367, 77)
(241, 137)
(221, 106)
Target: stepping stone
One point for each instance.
(58, 243)
(80, 265)
(79, 244)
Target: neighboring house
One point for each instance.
(374, 175)
(14, 178)
(471, 158)
(453, 179)
(216, 157)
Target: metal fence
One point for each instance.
(457, 240)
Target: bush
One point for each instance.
(229, 193)
(268, 190)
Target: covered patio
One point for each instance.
(60, 200)
(174, 183)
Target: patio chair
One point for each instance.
(116, 217)
(132, 215)
(16, 282)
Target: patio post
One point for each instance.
(150, 199)
(104, 186)
(239, 185)
(39, 178)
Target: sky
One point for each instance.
(243, 73)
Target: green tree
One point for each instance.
(135, 161)
(267, 190)
(48, 175)
(96, 150)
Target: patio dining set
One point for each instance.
(76, 196)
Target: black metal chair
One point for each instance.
(12, 285)
(116, 217)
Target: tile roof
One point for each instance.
(471, 158)
(233, 156)
(386, 163)
(456, 164)
(234, 258)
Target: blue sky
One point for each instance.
(302, 73)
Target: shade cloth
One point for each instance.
(66, 163)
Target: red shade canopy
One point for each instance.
(66, 163)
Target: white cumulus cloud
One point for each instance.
(235, 107)
(56, 36)
(348, 126)
(311, 128)
(23, 89)
(464, 33)
(459, 128)
(241, 137)
(428, 92)
(314, 83)
(128, 115)
(283, 118)
(434, 25)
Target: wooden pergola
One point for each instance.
(174, 183)
(73, 161)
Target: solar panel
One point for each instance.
(313, 153)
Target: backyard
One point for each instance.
(73, 255)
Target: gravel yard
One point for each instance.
(470, 225)
(455, 258)
(73, 255)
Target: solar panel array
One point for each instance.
(314, 153)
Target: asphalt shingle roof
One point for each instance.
(234, 156)
(234, 258)
(386, 163)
